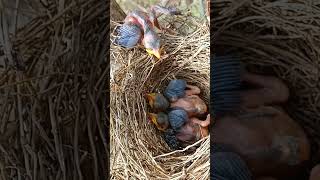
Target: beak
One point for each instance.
(152, 118)
(149, 96)
(156, 53)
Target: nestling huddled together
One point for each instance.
(179, 113)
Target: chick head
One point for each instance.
(157, 101)
(160, 120)
(151, 42)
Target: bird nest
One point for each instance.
(137, 149)
(53, 88)
(279, 38)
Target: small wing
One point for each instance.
(129, 35)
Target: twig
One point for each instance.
(75, 141)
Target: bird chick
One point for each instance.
(139, 28)
(192, 104)
(270, 141)
(157, 102)
(151, 42)
(185, 96)
(193, 130)
(177, 118)
(175, 89)
(179, 88)
(160, 120)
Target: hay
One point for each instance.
(53, 92)
(281, 38)
(137, 149)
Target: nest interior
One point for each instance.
(53, 90)
(137, 149)
(279, 38)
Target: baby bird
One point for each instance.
(193, 130)
(185, 96)
(183, 131)
(262, 133)
(192, 104)
(177, 118)
(267, 138)
(157, 102)
(138, 28)
(179, 88)
(160, 120)
(175, 89)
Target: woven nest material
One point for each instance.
(280, 38)
(53, 91)
(137, 148)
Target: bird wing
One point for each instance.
(129, 35)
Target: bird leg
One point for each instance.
(193, 90)
(205, 123)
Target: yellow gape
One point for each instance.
(153, 52)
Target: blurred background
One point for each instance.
(195, 7)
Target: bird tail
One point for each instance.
(225, 84)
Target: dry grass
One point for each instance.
(137, 149)
(53, 92)
(282, 38)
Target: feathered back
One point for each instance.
(225, 84)
(177, 118)
(175, 89)
(128, 35)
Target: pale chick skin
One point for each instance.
(268, 139)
